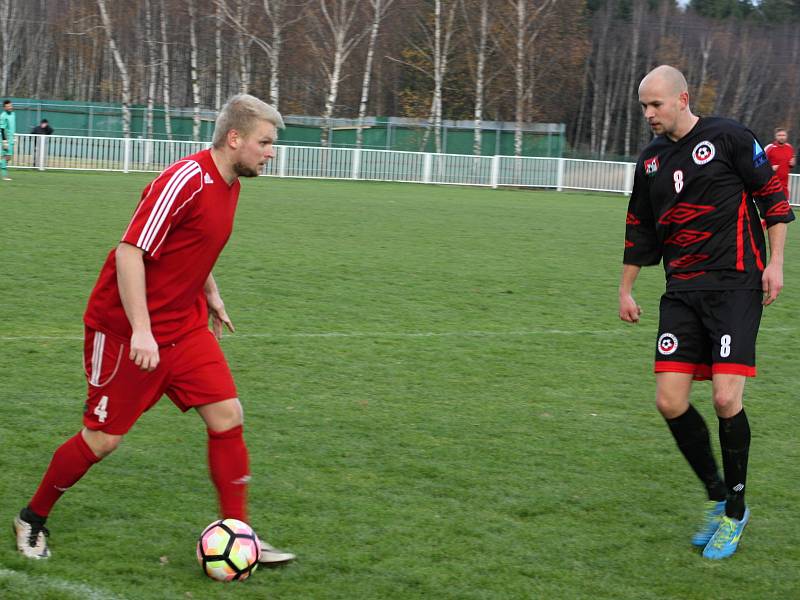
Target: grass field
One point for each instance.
(440, 403)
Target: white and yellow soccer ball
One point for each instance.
(228, 550)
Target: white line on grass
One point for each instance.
(382, 334)
(80, 590)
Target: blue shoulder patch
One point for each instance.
(759, 156)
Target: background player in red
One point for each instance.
(699, 187)
(147, 321)
(781, 156)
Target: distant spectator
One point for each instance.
(40, 146)
(8, 129)
(781, 156)
(43, 128)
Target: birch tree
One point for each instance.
(637, 24)
(379, 10)
(193, 65)
(165, 84)
(123, 70)
(152, 66)
(436, 53)
(479, 34)
(10, 29)
(243, 42)
(275, 12)
(526, 32)
(219, 18)
(337, 35)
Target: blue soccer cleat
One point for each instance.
(726, 539)
(712, 517)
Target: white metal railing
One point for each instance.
(118, 154)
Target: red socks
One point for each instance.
(227, 460)
(69, 463)
(230, 471)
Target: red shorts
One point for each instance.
(191, 372)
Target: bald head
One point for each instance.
(664, 96)
(666, 77)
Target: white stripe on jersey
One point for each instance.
(162, 207)
(166, 191)
(164, 202)
(97, 357)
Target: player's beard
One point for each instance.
(243, 170)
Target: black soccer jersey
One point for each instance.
(694, 206)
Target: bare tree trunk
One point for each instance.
(576, 140)
(244, 72)
(599, 81)
(9, 38)
(479, 78)
(525, 37)
(123, 71)
(743, 84)
(519, 75)
(613, 85)
(218, 59)
(165, 71)
(636, 27)
(335, 30)
(275, 55)
(379, 8)
(442, 34)
(152, 60)
(193, 62)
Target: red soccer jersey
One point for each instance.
(780, 155)
(183, 221)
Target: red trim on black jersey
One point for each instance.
(781, 209)
(699, 371)
(754, 248)
(687, 237)
(688, 260)
(683, 212)
(773, 186)
(740, 233)
(629, 244)
(631, 219)
(733, 369)
(688, 275)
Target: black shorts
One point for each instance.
(705, 332)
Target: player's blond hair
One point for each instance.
(241, 112)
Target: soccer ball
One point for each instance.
(228, 550)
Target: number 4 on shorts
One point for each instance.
(100, 409)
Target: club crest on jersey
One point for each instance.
(651, 166)
(704, 152)
(759, 156)
(667, 344)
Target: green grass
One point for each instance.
(440, 403)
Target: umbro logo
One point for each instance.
(738, 487)
(687, 260)
(241, 480)
(781, 209)
(683, 212)
(687, 237)
(207, 179)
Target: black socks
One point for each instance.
(734, 437)
(691, 434)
